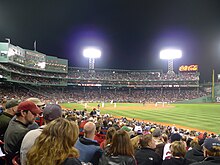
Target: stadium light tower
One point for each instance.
(170, 55)
(92, 53)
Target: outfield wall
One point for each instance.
(217, 90)
(204, 99)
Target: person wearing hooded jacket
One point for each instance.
(211, 151)
(196, 153)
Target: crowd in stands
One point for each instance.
(103, 74)
(32, 72)
(88, 94)
(37, 80)
(81, 137)
(120, 75)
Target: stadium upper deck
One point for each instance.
(31, 67)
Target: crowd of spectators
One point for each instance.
(31, 72)
(101, 76)
(37, 80)
(95, 94)
(129, 75)
(81, 137)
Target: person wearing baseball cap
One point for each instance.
(37, 101)
(50, 113)
(26, 113)
(211, 151)
(40, 105)
(7, 115)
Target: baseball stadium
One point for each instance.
(147, 98)
(87, 106)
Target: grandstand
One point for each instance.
(26, 71)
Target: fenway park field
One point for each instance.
(200, 117)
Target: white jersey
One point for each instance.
(166, 151)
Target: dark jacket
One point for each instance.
(211, 160)
(4, 122)
(147, 156)
(89, 150)
(177, 161)
(195, 154)
(71, 161)
(13, 136)
(117, 160)
(159, 149)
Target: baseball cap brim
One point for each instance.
(36, 110)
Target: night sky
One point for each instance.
(130, 33)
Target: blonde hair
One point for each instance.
(135, 142)
(55, 143)
(211, 153)
(145, 140)
(178, 148)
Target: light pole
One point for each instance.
(92, 53)
(170, 55)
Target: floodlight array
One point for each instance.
(170, 54)
(92, 52)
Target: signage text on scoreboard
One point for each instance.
(188, 68)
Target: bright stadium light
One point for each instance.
(170, 55)
(92, 53)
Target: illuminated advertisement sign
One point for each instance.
(188, 68)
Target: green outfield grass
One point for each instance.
(198, 116)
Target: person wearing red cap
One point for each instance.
(50, 113)
(26, 113)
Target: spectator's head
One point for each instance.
(194, 143)
(201, 139)
(55, 143)
(147, 141)
(121, 144)
(11, 106)
(89, 130)
(3, 102)
(98, 127)
(165, 137)
(71, 117)
(175, 137)
(188, 141)
(125, 128)
(109, 135)
(211, 147)
(135, 142)
(178, 148)
(52, 112)
(27, 111)
(156, 132)
(37, 102)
